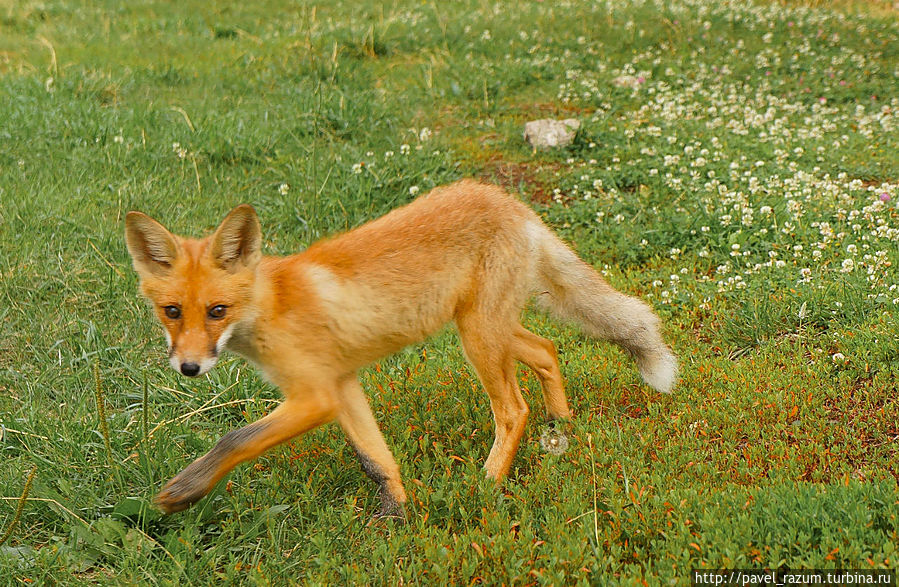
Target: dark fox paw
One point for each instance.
(390, 510)
(179, 494)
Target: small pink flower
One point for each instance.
(884, 197)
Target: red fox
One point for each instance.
(468, 253)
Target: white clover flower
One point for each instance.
(847, 266)
(283, 189)
(357, 167)
(413, 190)
(839, 358)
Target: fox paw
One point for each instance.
(391, 509)
(179, 494)
(398, 516)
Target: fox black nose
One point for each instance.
(190, 369)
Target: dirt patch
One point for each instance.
(867, 183)
(531, 110)
(522, 178)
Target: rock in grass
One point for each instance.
(547, 133)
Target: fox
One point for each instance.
(468, 253)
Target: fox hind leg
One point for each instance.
(488, 348)
(539, 354)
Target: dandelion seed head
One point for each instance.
(553, 442)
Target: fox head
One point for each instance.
(201, 290)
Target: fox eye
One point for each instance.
(217, 312)
(172, 312)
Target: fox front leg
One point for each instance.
(356, 419)
(291, 418)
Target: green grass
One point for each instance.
(745, 184)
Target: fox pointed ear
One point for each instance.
(153, 248)
(238, 240)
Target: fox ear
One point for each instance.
(238, 240)
(153, 248)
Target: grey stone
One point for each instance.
(547, 133)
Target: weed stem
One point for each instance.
(101, 412)
(20, 507)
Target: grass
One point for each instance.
(737, 168)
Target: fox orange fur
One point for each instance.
(467, 253)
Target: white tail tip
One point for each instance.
(660, 372)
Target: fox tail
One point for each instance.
(572, 290)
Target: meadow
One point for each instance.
(737, 167)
